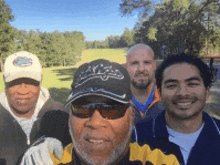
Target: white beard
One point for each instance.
(116, 152)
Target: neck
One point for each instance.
(184, 125)
(142, 94)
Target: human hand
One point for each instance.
(40, 152)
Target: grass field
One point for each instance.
(58, 79)
(115, 55)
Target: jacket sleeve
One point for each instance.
(54, 123)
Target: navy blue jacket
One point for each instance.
(206, 150)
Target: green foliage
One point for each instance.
(53, 49)
(181, 24)
(6, 30)
(152, 33)
(96, 44)
(128, 37)
(125, 40)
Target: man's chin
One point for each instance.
(22, 110)
(141, 86)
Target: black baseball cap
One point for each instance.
(102, 78)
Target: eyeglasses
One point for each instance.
(107, 111)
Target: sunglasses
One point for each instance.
(107, 111)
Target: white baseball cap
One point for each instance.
(22, 65)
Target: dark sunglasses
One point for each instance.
(107, 111)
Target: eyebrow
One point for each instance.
(189, 79)
(193, 79)
(170, 81)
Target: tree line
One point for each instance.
(190, 26)
(183, 25)
(53, 49)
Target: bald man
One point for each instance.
(141, 65)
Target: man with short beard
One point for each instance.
(141, 65)
(183, 129)
(101, 121)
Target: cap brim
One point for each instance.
(32, 75)
(73, 98)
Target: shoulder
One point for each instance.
(144, 132)
(148, 155)
(2, 109)
(216, 121)
(52, 104)
(67, 156)
(214, 118)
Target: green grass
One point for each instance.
(58, 79)
(115, 55)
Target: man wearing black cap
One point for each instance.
(102, 119)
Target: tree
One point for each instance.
(128, 37)
(180, 23)
(6, 30)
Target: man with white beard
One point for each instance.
(101, 121)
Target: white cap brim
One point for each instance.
(24, 74)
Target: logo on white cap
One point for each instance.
(22, 61)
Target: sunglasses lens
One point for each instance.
(107, 111)
(115, 112)
(81, 112)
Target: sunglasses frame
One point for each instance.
(103, 108)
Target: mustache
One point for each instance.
(105, 137)
(185, 97)
(22, 98)
(141, 73)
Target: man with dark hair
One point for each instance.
(183, 129)
(141, 65)
(102, 119)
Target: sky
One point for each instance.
(97, 19)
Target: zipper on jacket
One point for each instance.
(28, 140)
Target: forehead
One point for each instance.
(181, 72)
(141, 54)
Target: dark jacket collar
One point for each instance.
(210, 130)
(208, 138)
(159, 126)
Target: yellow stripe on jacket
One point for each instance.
(141, 153)
(156, 156)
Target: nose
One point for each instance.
(96, 121)
(23, 89)
(182, 90)
(141, 67)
